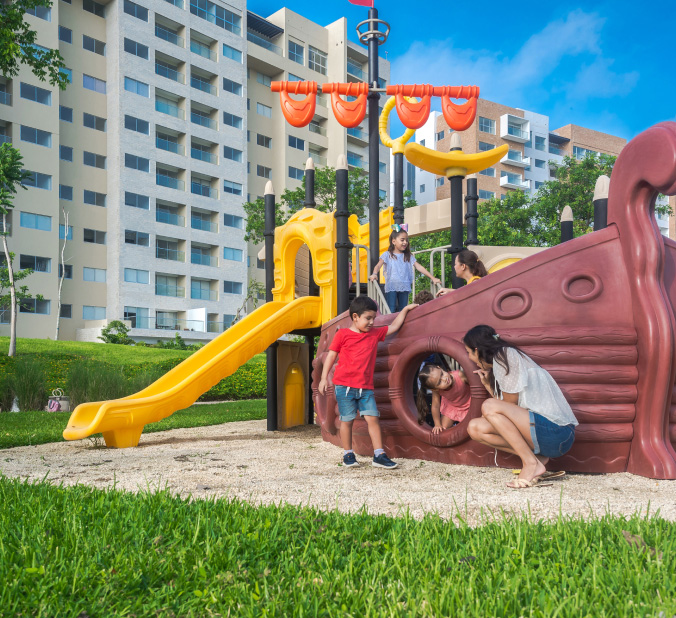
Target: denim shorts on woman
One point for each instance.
(550, 439)
(352, 399)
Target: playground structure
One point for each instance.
(598, 312)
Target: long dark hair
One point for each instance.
(420, 400)
(472, 261)
(407, 251)
(489, 345)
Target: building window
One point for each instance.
(63, 235)
(65, 113)
(232, 53)
(66, 193)
(135, 10)
(263, 172)
(236, 255)
(382, 167)
(294, 78)
(232, 187)
(296, 173)
(132, 237)
(540, 142)
(439, 181)
(94, 160)
(35, 222)
(136, 49)
(65, 34)
(136, 163)
(216, 15)
(66, 311)
(263, 110)
(484, 146)
(42, 12)
(92, 83)
(538, 184)
(140, 88)
(93, 198)
(65, 271)
(68, 73)
(317, 60)
(440, 135)
(36, 263)
(94, 122)
(261, 78)
(296, 53)
(231, 86)
(32, 305)
(66, 153)
(38, 180)
(93, 313)
(486, 195)
(539, 163)
(489, 171)
(581, 153)
(232, 153)
(264, 140)
(36, 136)
(94, 7)
(93, 45)
(422, 189)
(233, 221)
(136, 124)
(33, 93)
(232, 287)
(297, 143)
(97, 275)
(94, 236)
(136, 201)
(422, 142)
(232, 121)
(486, 125)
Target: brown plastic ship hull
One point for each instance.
(598, 312)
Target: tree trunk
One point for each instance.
(12, 291)
(63, 274)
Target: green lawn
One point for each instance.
(25, 428)
(85, 552)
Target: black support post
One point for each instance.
(374, 144)
(456, 224)
(398, 209)
(271, 352)
(343, 244)
(472, 215)
(601, 203)
(313, 288)
(567, 224)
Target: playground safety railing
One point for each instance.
(441, 251)
(373, 287)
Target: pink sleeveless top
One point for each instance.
(455, 400)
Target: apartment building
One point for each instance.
(143, 163)
(286, 46)
(534, 150)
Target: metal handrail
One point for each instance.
(373, 287)
(433, 251)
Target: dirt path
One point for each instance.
(243, 460)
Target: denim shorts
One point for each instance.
(550, 439)
(352, 399)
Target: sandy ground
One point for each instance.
(243, 460)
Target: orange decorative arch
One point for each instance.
(348, 113)
(413, 114)
(297, 113)
(458, 117)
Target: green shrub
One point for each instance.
(27, 383)
(6, 395)
(91, 381)
(116, 332)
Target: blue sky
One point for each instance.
(609, 66)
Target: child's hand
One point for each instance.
(483, 376)
(443, 291)
(436, 280)
(409, 307)
(322, 387)
(437, 429)
(373, 277)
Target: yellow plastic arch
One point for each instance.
(397, 145)
(503, 263)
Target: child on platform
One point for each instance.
(353, 378)
(450, 396)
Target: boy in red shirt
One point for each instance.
(353, 378)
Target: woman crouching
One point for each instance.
(527, 414)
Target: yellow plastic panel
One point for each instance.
(454, 163)
(502, 263)
(294, 397)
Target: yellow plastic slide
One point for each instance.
(122, 420)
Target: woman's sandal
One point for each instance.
(524, 484)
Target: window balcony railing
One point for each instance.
(318, 159)
(171, 110)
(170, 254)
(203, 190)
(517, 131)
(355, 71)
(169, 181)
(162, 216)
(5, 98)
(556, 151)
(215, 327)
(169, 146)
(355, 161)
(169, 290)
(202, 50)
(167, 323)
(315, 128)
(201, 224)
(169, 73)
(204, 260)
(168, 35)
(203, 294)
(5, 139)
(199, 84)
(176, 3)
(358, 133)
(516, 158)
(258, 40)
(204, 121)
(202, 155)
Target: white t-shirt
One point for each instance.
(537, 389)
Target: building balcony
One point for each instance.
(169, 109)
(514, 181)
(5, 139)
(203, 294)
(169, 290)
(198, 189)
(161, 216)
(515, 158)
(170, 73)
(353, 161)
(203, 121)
(169, 146)
(166, 323)
(202, 85)
(514, 128)
(176, 3)
(355, 70)
(204, 260)
(169, 254)
(169, 36)
(556, 151)
(357, 135)
(201, 224)
(5, 98)
(202, 50)
(315, 128)
(169, 181)
(202, 155)
(318, 159)
(252, 37)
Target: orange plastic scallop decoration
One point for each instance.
(348, 113)
(458, 117)
(412, 114)
(297, 113)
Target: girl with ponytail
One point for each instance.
(450, 396)
(467, 266)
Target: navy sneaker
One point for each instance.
(383, 461)
(349, 460)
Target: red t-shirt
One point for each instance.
(357, 358)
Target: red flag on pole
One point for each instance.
(368, 3)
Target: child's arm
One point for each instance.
(396, 325)
(463, 377)
(421, 269)
(436, 412)
(328, 363)
(376, 270)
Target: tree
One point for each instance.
(62, 271)
(254, 291)
(511, 221)
(18, 45)
(116, 332)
